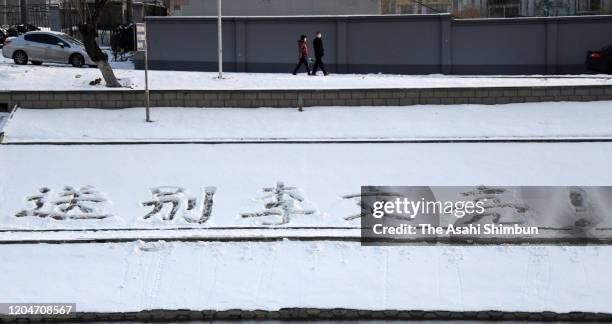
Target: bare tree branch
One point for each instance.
(88, 27)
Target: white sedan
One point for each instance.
(44, 46)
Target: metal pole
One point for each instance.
(23, 7)
(220, 38)
(4, 10)
(147, 97)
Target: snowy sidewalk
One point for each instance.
(569, 120)
(40, 78)
(268, 276)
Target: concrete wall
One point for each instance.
(527, 45)
(279, 7)
(304, 98)
(493, 46)
(404, 44)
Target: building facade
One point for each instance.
(274, 7)
(499, 8)
(12, 12)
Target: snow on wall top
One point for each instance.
(37, 78)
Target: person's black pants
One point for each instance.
(318, 64)
(304, 61)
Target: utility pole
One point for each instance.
(220, 36)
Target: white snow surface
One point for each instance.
(56, 77)
(139, 276)
(323, 173)
(135, 276)
(512, 121)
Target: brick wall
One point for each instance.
(307, 98)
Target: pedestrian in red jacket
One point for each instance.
(302, 55)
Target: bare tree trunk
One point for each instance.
(108, 74)
(88, 31)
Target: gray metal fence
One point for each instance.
(37, 15)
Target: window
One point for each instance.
(45, 39)
(595, 5)
(36, 38)
(71, 39)
(588, 6)
(504, 8)
(52, 40)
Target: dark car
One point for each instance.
(3, 36)
(600, 61)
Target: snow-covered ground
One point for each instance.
(30, 77)
(122, 184)
(124, 176)
(269, 276)
(569, 120)
(134, 276)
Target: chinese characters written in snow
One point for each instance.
(166, 204)
(69, 203)
(281, 201)
(177, 203)
(280, 205)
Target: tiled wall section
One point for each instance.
(305, 98)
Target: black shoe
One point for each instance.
(313, 74)
(294, 73)
(325, 74)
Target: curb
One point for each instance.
(304, 314)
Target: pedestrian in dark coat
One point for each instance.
(319, 53)
(302, 55)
